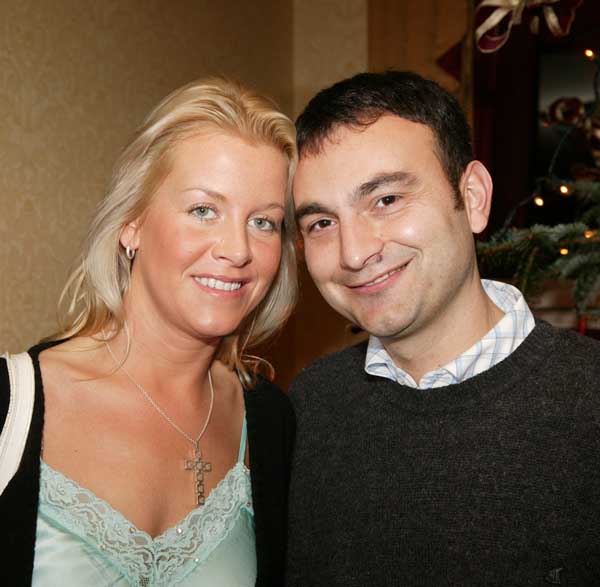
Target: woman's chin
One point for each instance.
(215, 331)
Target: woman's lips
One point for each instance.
(221, 285)
(214, 283)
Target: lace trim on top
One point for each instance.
(166, 558)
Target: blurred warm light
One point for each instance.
(564, 251)
(564, 189)
(538, 201)
(589, 233)
(589, 54)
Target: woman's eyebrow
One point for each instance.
(208, 192)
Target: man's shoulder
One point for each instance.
(352, 357)
(567, 369)
(575, 349)
(330, 371)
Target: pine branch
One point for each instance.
(529, 257)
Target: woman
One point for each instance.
(165, 461)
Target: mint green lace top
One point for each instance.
(81, 540)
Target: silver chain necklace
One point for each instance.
(196, 465)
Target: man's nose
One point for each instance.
(359, 244)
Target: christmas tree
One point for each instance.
(568, 251)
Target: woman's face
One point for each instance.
(209, 244)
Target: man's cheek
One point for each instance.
(404, 231)
(317, 272)
(317, 258)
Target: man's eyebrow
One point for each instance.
(311, 208)
(383, 179)
(364, 189)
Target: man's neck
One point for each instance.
(453, 331)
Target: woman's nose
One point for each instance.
(234, 247)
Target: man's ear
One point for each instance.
(476, 190)
(130, 235)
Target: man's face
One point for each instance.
(383, 239)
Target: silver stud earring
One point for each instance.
(129, 252)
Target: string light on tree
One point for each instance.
(567, 251)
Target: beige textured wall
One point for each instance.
(76, 77)
(413, 34)
(330, 43)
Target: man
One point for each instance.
(460, 445)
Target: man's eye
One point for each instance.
(386, 201)
(203, 212)
(320, 225)
(264, 224)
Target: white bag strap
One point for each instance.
(20, 409)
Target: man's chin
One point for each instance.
(375, 326)
(370, 319)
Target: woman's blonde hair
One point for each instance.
(92, 300)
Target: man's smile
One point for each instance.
(380, 282)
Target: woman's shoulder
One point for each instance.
(266, 392)
(271, 422)
(68, 350)
(5, 381)
(4, 391)
(77, 358)
(268, 406)
(5, 377)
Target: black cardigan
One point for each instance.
(271, 428)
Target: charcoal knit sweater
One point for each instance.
(493, 481)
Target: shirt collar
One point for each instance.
(495, 346)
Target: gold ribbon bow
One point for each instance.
(506, 13)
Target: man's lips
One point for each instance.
(381, 280)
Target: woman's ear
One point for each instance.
(476, 189)
(130, 235)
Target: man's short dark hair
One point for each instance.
(361, 100)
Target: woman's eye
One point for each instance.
(204, 212)
(264, 224)
(386, 201)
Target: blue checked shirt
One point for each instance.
(495, 346)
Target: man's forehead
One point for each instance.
(341, 130)
(396, 130)
(352, 155)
